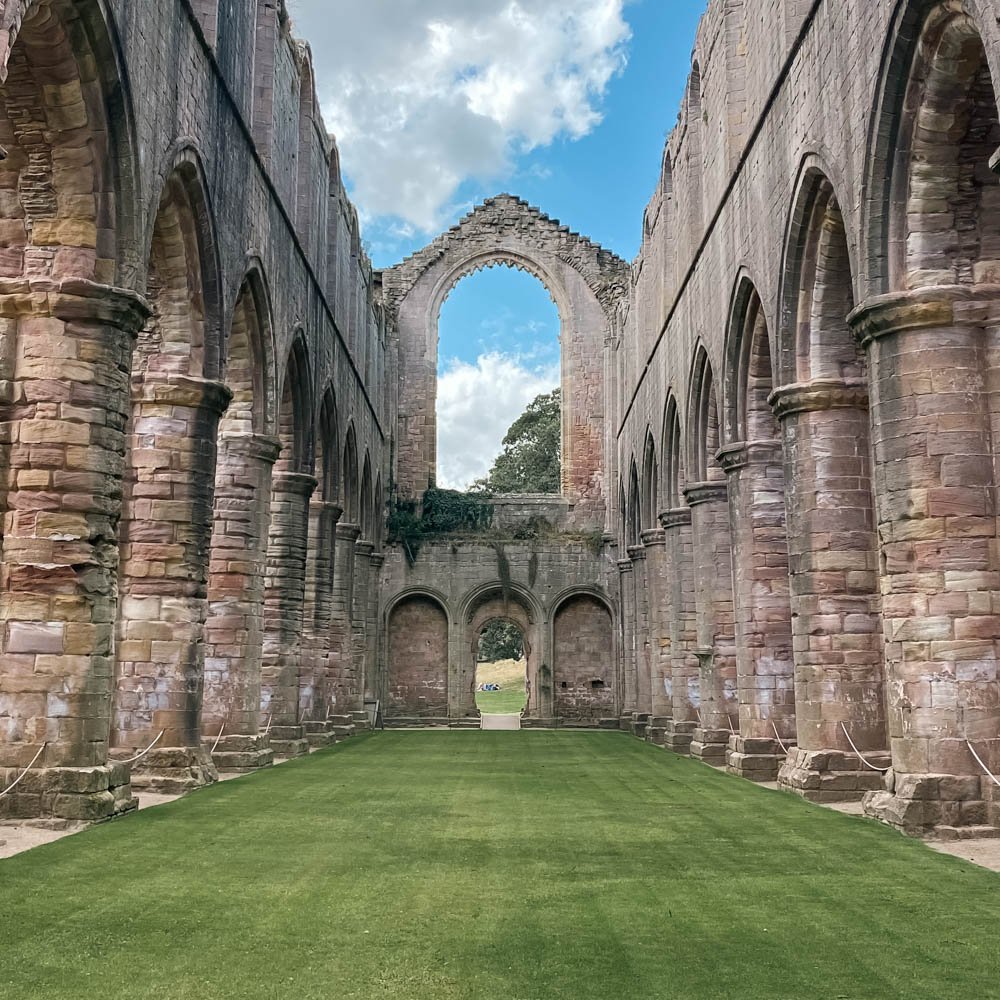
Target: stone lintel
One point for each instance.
(677, 517)
(923, 309)
(710, 492)
(183, 390)
(819, 394)
(740, 454)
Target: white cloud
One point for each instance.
(476, 405)
(426, 94)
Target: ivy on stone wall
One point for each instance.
(442, 512)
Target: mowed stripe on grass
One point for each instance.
(494, 865)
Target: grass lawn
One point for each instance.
(500, 866)
(512, 697)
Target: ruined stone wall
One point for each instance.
(190, 352)
(822, 231)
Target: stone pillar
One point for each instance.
(64, 413)
(233, 632)
(935, 500)
(342, 683)
(315, 694)
(373, 679)
(165, 542)
(764, 664)
(628, 687)
(713, 591)
(833, 576)
(363, 550)
(660, 604)
(685, 694)
(284, 601)
(643, 644)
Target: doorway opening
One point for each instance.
(501, 669)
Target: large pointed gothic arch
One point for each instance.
(585, 282)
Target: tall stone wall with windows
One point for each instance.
(193, 425)
(821, 244)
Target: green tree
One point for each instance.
(500, 640)
(529, 461)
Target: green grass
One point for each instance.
(495, 866)
(506, 702)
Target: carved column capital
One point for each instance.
(348, 532)
(653, 537)
(819, 394)
(299, 483)
(740, 454)
(710, 492)
(259, 446)
(183, 390)
(677, 517)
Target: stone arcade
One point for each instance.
(776, 542)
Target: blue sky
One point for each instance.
(437, 104)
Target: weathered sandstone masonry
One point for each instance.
(775, 545)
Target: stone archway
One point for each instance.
(586, 283)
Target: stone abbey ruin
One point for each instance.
(775, 546)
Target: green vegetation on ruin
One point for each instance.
(477, 866)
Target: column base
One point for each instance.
(625, 723)
(240, 754)
(640, 723)
(656, 730)
(933, 806)
(831, 775)
(360, 721)
(342, 726)
(677, 737)
(710, 745)
(170, 770)
(85, 794)
(319, 735)
(755, 759)
(288, 741)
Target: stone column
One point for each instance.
(713, 590)
(643, 644)
(234, 629)
(284, 600)
(165, 542)
(685, 692)
(342, 683)
(833, 575)
(629, 689)
(764, 664)
(315, 693)
(660, 604)
(373, 679)
(363, 550)
(935, 501)
(65, 410)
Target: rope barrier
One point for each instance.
(17, 780)
(995, 779)
(139, 756)
(729, 719)
(882, 770)
(222, 729)
(697, 715)
(266, 731)
(777, 736)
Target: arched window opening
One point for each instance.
(501, 669)
(499, 412)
